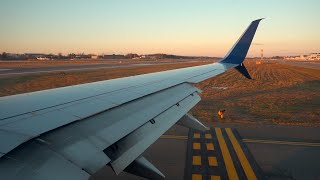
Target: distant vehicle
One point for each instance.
(72, 132)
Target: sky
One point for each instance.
(182, 27)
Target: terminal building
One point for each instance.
(312, 56)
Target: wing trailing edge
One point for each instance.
(142, 167)
(189, 121)
(125, 151)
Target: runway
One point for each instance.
(313, 64)
(13, 71)
(237, 151)
(9, 71)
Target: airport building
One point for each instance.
(113, 56)
(312, 56)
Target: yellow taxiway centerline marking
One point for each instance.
(196, 160)
(196, 177)
(242, 157)
(231, 170)
(282, 142)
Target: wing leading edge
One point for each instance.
(84, 127)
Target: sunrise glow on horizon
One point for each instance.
(199, 28)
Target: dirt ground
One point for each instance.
(278, 94)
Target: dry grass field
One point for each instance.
(278, 93)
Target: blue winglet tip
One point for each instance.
(238, 52)
(258, 19)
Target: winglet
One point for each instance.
(240, 49)
(243, 70)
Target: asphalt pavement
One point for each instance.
(237, 152)
(6, 71)
(14, 71)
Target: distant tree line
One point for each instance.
(71, 56)
(3, 55)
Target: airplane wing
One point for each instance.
(72, 132)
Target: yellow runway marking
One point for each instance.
(210, 146)
(231, 170)
(196, 145)
(212, 161)
(196, 160)
(293, 143)
(174, 137)
(242, 157)
(208, 136)
(282, 142)
(196, 177)
(196, 135)
(215, 178)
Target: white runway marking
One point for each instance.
(81, 69)
(66, 70)
(5, 69)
